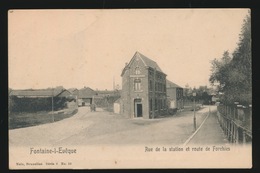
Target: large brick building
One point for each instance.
(143, 88)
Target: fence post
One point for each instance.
(232, 137)
(237, 135)
(244, 137)
(225, 126)
(250, 117)
(229, 131)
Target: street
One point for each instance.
(100, 127)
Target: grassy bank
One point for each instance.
(25, 119)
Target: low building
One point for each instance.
(174, 95)
(32, 100)
(37, 93)
(74, 92)
(85, 96)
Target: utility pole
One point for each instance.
(194, 111)
(52, 105)
(114, 83)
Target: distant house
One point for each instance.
(174, 95)
(85, 96)
(74, 92)
(37, 93)
(143, 88)
(213, 96)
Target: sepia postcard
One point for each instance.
(130, 88)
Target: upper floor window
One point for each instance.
(137, 70)
(137, 84)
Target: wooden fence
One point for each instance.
(236, 123)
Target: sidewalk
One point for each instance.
(209, 133)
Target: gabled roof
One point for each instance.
(37, 92)
(86, 92)
(147, 62)
(71, 90)
(170, 84)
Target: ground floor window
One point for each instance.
(155, 105)
(151, 104)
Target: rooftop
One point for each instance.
(170, 84)
(86, 92)
(37, 92)
(147, 62)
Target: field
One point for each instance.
(27, 119)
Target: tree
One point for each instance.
(234, 75)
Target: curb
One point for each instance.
(189, 139)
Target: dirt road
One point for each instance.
(91, 128)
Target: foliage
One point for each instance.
(202, 94)
(36, 104)
(234, 75)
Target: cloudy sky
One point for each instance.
(77, 48)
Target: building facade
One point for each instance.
(143, 88)
(174, 95)
(85, 96)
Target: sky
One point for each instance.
(77, 48)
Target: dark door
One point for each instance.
(139, 110)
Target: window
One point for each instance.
(151, 85)
(151, 104)
(163, 104)
(137, 84)
(137, 70)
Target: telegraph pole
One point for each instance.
(52, 105)
(114, 83)
(194, 111)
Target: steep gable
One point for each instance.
(146, 61)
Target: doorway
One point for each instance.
(138, 108)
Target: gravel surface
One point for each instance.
(98, 128)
